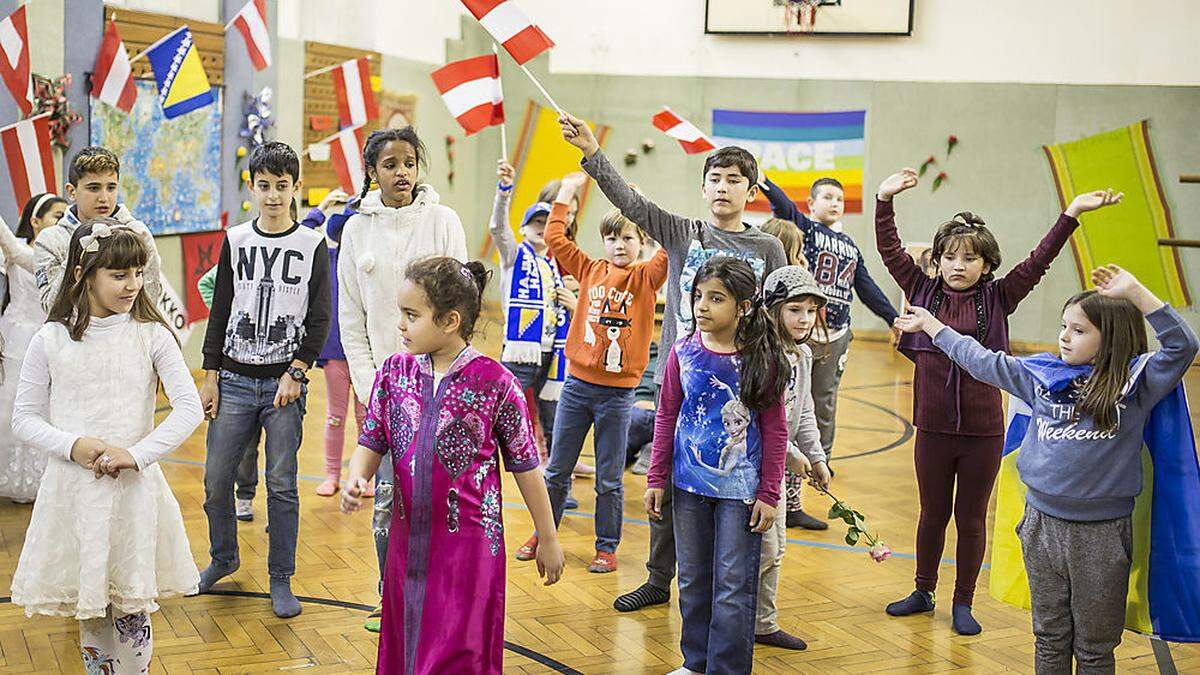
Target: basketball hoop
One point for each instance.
(802, 15)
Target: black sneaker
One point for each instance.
(803, 520)
(644, 596)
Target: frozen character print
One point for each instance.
(735, 417)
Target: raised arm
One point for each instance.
(498, 226)
(180, 388)
(668, 229)
(887, 240)
(15, 251)
(567, 253)
(783, 207)
(1022, 278)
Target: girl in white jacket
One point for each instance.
(399, 222)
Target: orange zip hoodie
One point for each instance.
(609, 340)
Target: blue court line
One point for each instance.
(636, 521)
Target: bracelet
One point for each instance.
(504, 188)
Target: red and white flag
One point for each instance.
(471, 90)
(355, 100)
(691, 138)
(251, 22)
(510, 27)
(112, 78)
(346, 152)
(14, 59)
(30, 159)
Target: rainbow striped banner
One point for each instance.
(795, 149)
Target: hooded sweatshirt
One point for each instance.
(378, 244)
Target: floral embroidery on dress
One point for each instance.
(458, 443)
(514, 433)
(452, 510)
(493, 527)
(482, 471)
(405, 422)
(133, 628)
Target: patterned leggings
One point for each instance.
(794, 484)
(116, 643)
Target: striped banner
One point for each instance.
(1127, 234)
(795, 149)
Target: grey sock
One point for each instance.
(283, 602)
(214, 573)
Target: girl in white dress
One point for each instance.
(106, 538)
(20, 317)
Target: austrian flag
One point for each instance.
(251, 22)
(355, 100)
(112, 78)
(347, 152)
(691, 138)
(510, 27)
(14, 59)
(30, 160)
(471, 90)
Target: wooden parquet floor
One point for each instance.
(831, 595)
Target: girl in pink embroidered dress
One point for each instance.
(447, 416)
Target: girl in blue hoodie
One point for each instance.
(1081, 458)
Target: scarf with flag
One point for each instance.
(1164, 582)
(535, 318)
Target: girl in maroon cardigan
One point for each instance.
(959, 420)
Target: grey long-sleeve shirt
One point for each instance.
(1075, 471)
(689, 242)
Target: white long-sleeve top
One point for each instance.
(378, 243)
(803, 435)
(104, 386)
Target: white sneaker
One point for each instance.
(684, 671)
(244, 509)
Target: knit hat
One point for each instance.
(789, 282)
(536, 210)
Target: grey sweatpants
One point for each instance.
(829, 362)
(1078, 579)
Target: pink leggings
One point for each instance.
(337, 395)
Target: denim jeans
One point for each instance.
(245, 407)
(641, 432)
(581, 406)
(533, 376)
(246, 482)
(718, 582)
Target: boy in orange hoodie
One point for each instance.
(608, 348)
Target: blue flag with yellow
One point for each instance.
(182, 84)
(1164, 582)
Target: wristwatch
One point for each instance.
(297, 374)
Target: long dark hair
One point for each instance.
(374, 146)
(1122, 338)
(119, 251)
(452, 286)
(763, 375)
(25, 228)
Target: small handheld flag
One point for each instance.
(471, 90)
(689, 136)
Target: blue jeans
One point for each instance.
(641, 432)
(246, 481)
(245, 407)
(582, 405)
(718, 582)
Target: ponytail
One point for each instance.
(452, 286)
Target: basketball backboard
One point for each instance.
(809, 17)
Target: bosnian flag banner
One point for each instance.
(795, 149)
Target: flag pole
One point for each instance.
(157, 42)
(326, 69)
(500, 85)
(328, 139)
(35, 117)
(543, 90)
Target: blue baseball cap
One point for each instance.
(535, 210)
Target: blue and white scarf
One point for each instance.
(535, 319)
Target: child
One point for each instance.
(790, 236)
(729, 179)
(726, 453)
(794, 299)
(21, 315)
(446, 416)
(92, 186)
(959, 420)
(106, 538)
(397, 223)
(840, 271)
(607, 348)
(269, 318)
(535, 303)
(1083, 466)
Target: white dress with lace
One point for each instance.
(21, 465)
(91, 542)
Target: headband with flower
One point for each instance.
(91, 242)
